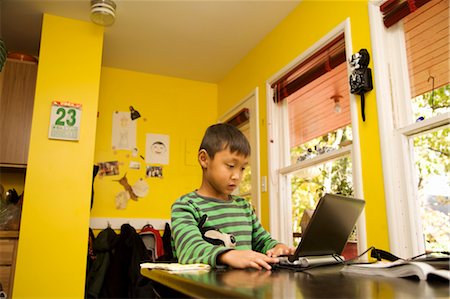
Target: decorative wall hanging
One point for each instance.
(361, 77)
(139, 189)
(134, 114)
(124, 182)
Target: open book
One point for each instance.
(399, 268)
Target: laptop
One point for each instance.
(327, 232)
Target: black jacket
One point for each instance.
(102, 247)
(123, 278)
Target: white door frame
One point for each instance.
(251, 103)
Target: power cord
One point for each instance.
(376, 253)
(380, 254)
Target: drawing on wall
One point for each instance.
(157, 149)
(108, 168)
(123, 131)
(154, 172)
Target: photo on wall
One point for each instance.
(154, 172)
(108, 168)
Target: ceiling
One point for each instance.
(196, 40)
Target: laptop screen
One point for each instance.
(330, 226)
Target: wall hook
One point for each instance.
(432, 90)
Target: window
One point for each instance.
(411, 66)
(311, 146)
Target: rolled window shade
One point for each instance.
(395, 10)
(239, 118)
(323, 61)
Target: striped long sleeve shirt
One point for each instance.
(234, 216)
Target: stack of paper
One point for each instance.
(175, 267)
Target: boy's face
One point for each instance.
(222, 175)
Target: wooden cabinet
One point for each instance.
(8, 252)
(18, 83)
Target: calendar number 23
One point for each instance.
(66, 117)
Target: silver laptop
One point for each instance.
(328, 230)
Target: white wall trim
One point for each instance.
(273, 161)
(429, 124)
(251, 102)
(358, 190)
(116, 223)
(393, 180)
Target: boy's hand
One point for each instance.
(280, 249)
(242, 259)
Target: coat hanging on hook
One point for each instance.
(361, 77)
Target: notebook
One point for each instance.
(328, 230)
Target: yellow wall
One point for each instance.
(180, 108)
(307, 24)
(59, 176)
(51, 261)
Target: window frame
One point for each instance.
(396, 130)
(279, 159)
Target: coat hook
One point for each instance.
(432, 90)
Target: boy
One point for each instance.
(223, 156)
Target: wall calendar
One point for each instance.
(65, 118)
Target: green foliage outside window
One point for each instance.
(334, 176)
(432, 162)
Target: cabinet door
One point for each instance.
(8, 251)
(16, 109)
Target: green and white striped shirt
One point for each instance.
(234, 216)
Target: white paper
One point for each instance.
(157, 149)
(176, 267)
(123, 131)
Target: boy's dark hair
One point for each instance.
(222, 136)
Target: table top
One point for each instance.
(323, 282)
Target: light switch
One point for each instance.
(264, 184)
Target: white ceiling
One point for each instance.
(197, 40)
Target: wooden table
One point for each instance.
(324, 282)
